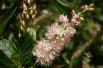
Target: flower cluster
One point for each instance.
(76, 18)
(28, 13)
(56, 37)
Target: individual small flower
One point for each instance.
(29, 1)
(91, 9)
(82, 8)
(77, 23)
(63, 18)
(81, 18)
(91, 5)
(73, 12)
(53, 30)
(86, 7)
(24, 7)
(76, 16)
(73, 20)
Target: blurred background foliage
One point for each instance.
(85, 50)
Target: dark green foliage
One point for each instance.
(25, 46)
(5, 21)
(16, 45)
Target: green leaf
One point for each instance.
(9, 49)
(5, 60)
(32, 32)
(5, 21)
(25, 46)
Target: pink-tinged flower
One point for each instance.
(91, 5)
(91, 9)
(46, 51)
(57, 36)
(43, 52)
(54, 30)
(73, 20)
(69, 32)
(82, 8)
(76, 16)
(63, 18)
(24, 7)
(76, 24)
(73, 12)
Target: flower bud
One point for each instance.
(21, 27)
(76, 23)
(91, 9)
(31, 11)
(27, 16)
(73, 12)
(91, 5)
(76, 16)
(33, 16)
(86, 6)
(34, 7)
(23, 23)
(29, 1)
(81, 18)
(82, 8)
(73, 20)
(24, 7)
(24, 12)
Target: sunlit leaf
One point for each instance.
(9, 49)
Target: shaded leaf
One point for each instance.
(5, 21)
(25, 46)
(5, 60)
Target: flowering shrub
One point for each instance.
(34, 35)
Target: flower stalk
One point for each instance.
(57, 36)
